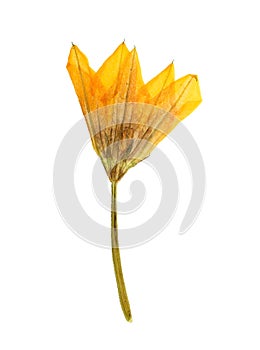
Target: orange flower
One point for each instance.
(127, 118)
(116, 95)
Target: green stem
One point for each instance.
(116, 257)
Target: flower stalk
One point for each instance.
(116, 256)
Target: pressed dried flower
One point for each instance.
(127, 118)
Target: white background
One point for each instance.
(196, 291)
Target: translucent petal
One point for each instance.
(130, 79)
(109, 71)
(181, 97)
(161, 81)
(189, 100)
(81, 75)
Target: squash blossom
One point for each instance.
(127, 118)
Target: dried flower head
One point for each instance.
(127, 118)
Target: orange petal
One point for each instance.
(161, 81)
(108, 73)
(189, 100)
(106, 78)
(81, 75)
(130, 79)
(181, 97)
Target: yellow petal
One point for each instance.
(188, 99)
(161, 81)
(181, 97)
(130, 79)
(81, 75)
(106, 78)
(109, 71)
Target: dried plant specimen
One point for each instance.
(127, 118)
